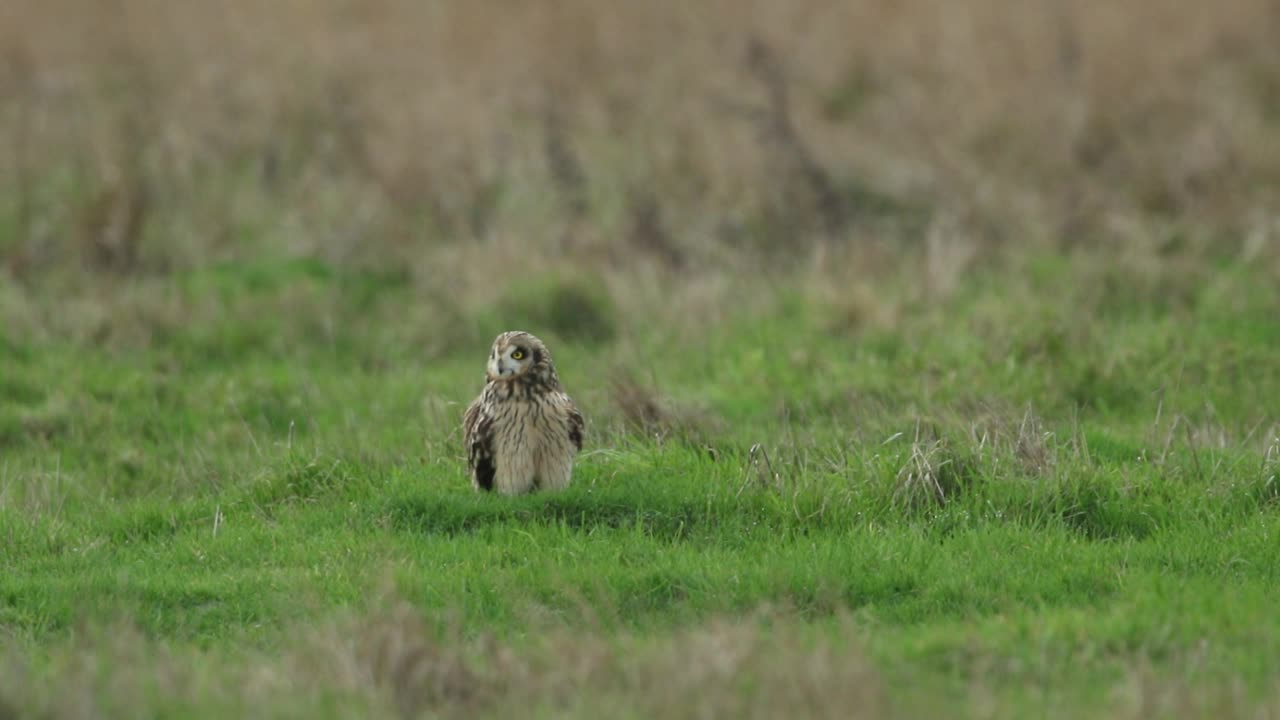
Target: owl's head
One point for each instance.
(519, 356)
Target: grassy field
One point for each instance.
(929, 355)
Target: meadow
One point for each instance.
(929, 354)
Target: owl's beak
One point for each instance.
(500, 369)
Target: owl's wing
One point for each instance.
(477, 432)
(577, 425)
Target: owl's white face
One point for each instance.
(507, 360)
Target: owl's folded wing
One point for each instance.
(577, 426)
(477, 430)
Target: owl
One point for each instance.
(523, 432)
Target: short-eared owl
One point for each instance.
(523, 432)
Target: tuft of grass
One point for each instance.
(1267, 489)
(933, 474)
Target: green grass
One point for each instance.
(1019, 501)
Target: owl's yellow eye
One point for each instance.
(517, 354)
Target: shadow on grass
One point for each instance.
(1100, 510)
(660, 514)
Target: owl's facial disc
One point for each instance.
(509, 361)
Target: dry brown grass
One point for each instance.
(997, 430)
(149, 135)
(389, 663)
(642, 410)
(933, 473)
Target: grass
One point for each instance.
(941, 519)
(927, 354)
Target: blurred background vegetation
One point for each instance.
(407, 176)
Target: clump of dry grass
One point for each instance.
(1033, 446)
(639, 406)
(1002, 431)
(644, 411)
(933, 473)
(393, 654)
(1142, 693)
(1269, 489)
